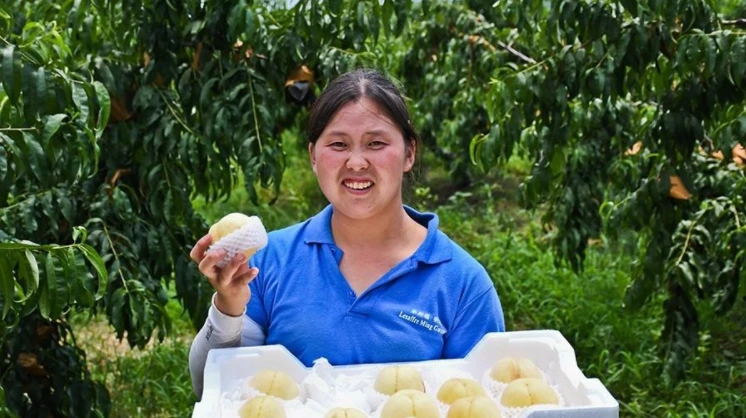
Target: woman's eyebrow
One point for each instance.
(376, 132)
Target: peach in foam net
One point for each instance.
(523, 393)
(275, 383)
(392, 379)
(508, 369)
(410, 403)
(457, 388)
(474, 407)
(262, 407)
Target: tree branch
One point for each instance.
(516, 52)
(17, 129)
(739, 23)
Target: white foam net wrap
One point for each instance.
(251, 235)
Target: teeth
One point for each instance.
(359, 185)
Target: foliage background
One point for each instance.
(127, 127)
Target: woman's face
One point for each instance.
(360, 159)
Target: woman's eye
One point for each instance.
(377, 144)
(338, 144)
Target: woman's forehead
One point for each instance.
(363, 114)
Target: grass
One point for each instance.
(611, 343)
(153, 382)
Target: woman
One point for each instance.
(367, 280)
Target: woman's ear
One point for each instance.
(411, 151)
(312, 157)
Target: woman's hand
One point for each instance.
(230, 282)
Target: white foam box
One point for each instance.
(548, 349)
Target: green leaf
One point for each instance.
(51, 126)
(235, 23)
(28, 89)
(30, 270)
(335, 6)
(80, 98)
(250, 28)
(36, 54)
(14, 149)
(11, 74)
(206, 95)
(117, 306)
(81, 293)
(41, 89)
(44, 301)
(66, 207)
(7, 284)
(3, 161)
(107, 77)
(738, 60)
(647, 282)
(374, 26)
(630, 6)
(361, 15)
(557, 164)
(98, 264)
(686, 271)
(710, 51)
(80, 232)
(723, 57)
(694, 52)
(680, 333)
(37, 159)
(51, 310)
(728, 283)
(104, 103)
(21, 246)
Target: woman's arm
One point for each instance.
(220, 331)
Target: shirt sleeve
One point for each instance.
(219, 331)
(477, 317)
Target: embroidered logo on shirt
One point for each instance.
(423, 319)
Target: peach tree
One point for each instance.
(632, 112)
(115, 116)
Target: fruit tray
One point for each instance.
(581, 397)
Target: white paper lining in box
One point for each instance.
(548, 349)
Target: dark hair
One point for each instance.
(350, 88)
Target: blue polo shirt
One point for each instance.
(436, 304)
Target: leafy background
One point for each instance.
(589, 154)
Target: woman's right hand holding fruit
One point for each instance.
(230, 282)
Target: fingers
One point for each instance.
(226, 276)
(246, 278)
(199, 249)
(208, 262)
(236, 273)
(230, 270)
(242, 269)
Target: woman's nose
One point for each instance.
(357, 161)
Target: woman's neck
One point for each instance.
(383, 231)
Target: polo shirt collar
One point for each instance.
(435, 249)
(319, 229)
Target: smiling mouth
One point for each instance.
(358, 185)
